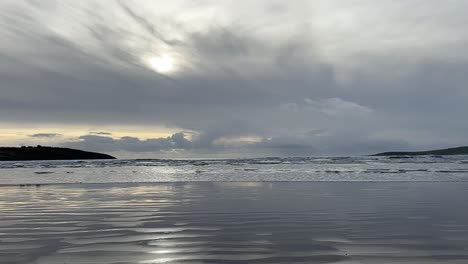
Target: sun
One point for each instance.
(162, 64)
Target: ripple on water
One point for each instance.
(235, 223)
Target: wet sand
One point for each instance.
(235, 222)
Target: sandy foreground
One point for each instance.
(235, 222)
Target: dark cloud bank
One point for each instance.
(232, 83)
(45, 135)
(131, 144)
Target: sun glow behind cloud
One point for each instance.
(163, 64)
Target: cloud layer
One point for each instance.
(132, 144)
(309, 77)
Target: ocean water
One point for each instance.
(348, 210)
(425, 168)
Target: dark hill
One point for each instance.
(48, 153)
(449, 151)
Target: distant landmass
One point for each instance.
(47, 153)
(441, 152)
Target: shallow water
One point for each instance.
(427, 168)
(235, 222)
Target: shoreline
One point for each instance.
(129, 184)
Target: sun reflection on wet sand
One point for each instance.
(235, 223)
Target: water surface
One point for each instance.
(235, 222)
(424, 168)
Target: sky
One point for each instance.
(234, 78)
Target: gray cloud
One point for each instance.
(101, 133)
(131, 144)
(318, 142)
(255, 72)
(329, 143)
(45, 135)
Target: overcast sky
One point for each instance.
(186, 78)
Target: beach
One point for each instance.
(235, 222)
(233, 132)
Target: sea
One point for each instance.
(345, 210)
(272, 169)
